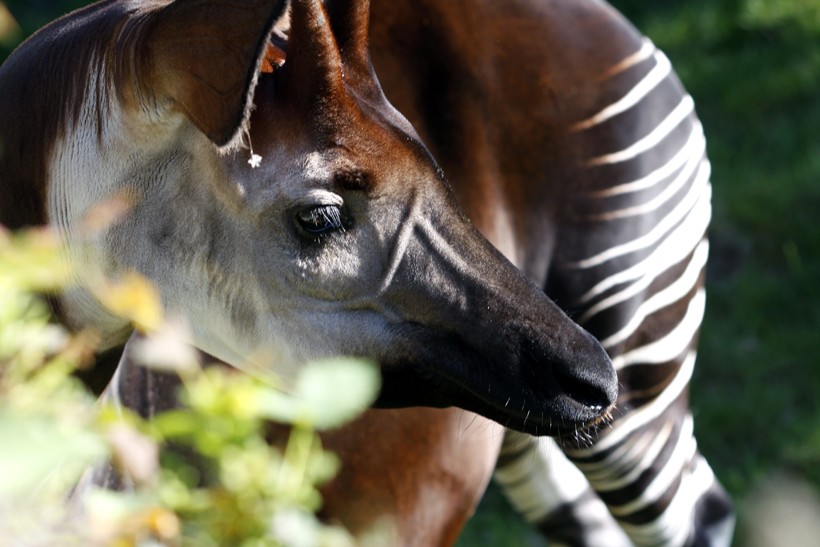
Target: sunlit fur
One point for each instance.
(523, 104)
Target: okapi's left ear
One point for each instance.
(205, 55)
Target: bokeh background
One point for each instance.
(753, 67)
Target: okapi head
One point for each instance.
(340, 236)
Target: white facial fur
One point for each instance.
(215, 236)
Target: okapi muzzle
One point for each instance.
(281, 205)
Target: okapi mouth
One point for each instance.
(555, 404)
(414, 386)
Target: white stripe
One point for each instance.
(684, 108)
(666, 297)
(644, 460)
(673, 344)
(672, 527)
(700, 189)
(698, 483)
(655, 76)
(677, 246)
(695, 146)
(646, 51)
(401, 243)
(698, 163)
(552, 479)
(627, 293)
(620, 460)
(441, 245)
(683, 453)
(111, 394)
(642, 416)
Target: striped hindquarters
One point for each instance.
(629, 267)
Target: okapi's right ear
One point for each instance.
(204, 55)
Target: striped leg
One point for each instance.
(629, 266)
(552, 494)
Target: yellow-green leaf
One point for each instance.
(134, 298)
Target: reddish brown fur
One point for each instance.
(494, 108)
(495, 112)
(187, 60)
(413, 472)
(464, 76)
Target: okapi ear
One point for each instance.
(350, 21)
(313, 70)
(205, 56)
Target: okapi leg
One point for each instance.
(553, 495)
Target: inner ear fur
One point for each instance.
(205, 56)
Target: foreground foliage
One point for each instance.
(230, 487)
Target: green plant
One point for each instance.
(203, 474)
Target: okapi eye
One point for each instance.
(320, 220)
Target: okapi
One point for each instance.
(284, 207)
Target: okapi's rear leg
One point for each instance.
(629, 266)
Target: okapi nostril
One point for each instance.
(584, 391)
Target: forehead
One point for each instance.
(353, 141)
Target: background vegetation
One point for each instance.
(202, 475)
(753, 67)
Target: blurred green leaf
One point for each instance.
(134, 298)
(32, 261)
(202, 474)
(768, 13)
(328, 394)
(34, 447)
(10, 31)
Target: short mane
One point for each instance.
(44, 85)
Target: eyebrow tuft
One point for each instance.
(353, 180)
